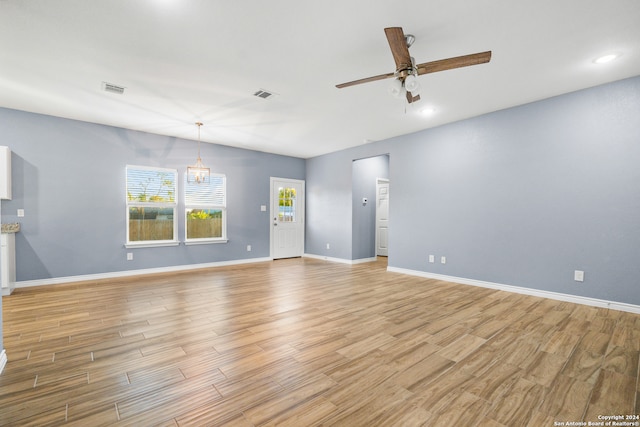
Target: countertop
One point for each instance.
(11, 228)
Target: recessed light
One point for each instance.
(427, 111)
(606, 58)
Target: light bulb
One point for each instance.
(411, 84)
(395, 89)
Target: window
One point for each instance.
(206, 210)
(151, 206)
(287, 204)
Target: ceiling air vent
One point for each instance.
(264, 94)
(110, 87)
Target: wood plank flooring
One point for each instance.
(304, 342)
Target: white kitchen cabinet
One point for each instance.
(7, 262)
(5, 173)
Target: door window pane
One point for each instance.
(286, 204)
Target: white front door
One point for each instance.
(382, 217)
(287, 218)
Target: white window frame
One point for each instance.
(222, 206)
(158, 205)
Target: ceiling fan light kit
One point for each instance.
(405, 77)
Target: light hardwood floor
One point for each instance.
(304, 342)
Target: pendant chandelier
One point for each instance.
(198, 173)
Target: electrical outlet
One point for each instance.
(328, 246)
(578, 276)
(248, 248)
(20, 213)
(432, 259)
(129, 256)
(443, 260)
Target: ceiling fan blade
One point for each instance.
(411, 98)
(366, 80)
(451, 63)
(398, 45)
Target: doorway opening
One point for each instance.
(366, 234)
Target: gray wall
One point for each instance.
(522, 196)
(69, 177)
(364, 175)
(329, 204)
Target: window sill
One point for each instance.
(151, 244)
(205, 242)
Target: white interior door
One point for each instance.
(287, 218)
(382, 217)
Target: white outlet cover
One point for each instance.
(263, 208)
(443, 260)
(432, 258)
(578, 276)
(20, 213)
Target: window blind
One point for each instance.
(151, 185)
(211, 193)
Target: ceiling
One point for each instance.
(183, 61)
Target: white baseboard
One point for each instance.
(328, 258)
(363, 260)
(594, 302)
(340, 260)
(3, 360)
(127, 273)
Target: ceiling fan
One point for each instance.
(407, 70)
